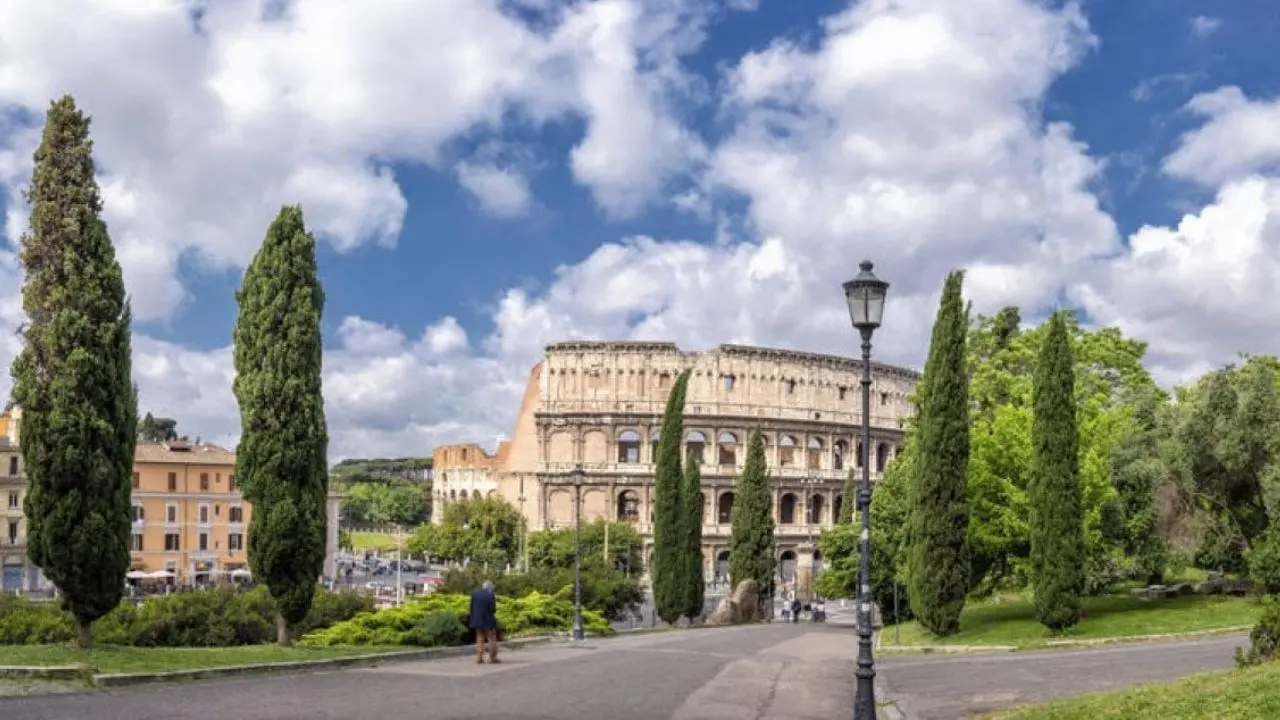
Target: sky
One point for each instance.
(485, 177)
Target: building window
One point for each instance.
(728, 382)
(171, 543)
(14, 500)
(728, 449)
(695, 445)
(171, 514)
(629, 447)
(231, 483)
(235, 514)
(235, 541)
(135, 542)
(790, 386)
(204, 514)
(173, 482)
(843, 391)
(204, 542)
(664, 380)
(813, 454)
(787, 451)
(139, 514)
(137, 480)
(13, 465)
(884, 398)
(204, 482)
(13, 532)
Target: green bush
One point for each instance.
(1264, 639)
(437, 629)
(218, 617)
(1264, 562)
(608, 592)
(533, 614)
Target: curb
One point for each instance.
(51, 672)
(1081, 644)
(1193, 635)
(110, 680)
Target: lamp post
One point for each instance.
(865, 295)
(524, 535)
(578, 634)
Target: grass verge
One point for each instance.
(1236, 694)
(115, 659)
(1012, 621)
(361, 541)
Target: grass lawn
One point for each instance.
(1012, 621)
(1229, 695)
(114, 659)
(361, 541)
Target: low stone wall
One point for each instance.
(1215, 584)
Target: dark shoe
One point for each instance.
(479, 661)
(495, 661)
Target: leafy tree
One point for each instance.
(73, 378)
(669, 538)
(555, 547)
(380, 502)
(751, 548)
(693, 579)
(1057, 524)
(152, 429)
(480, 530)
(281, 461)
(939, 553)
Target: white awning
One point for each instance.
(160, 574)
(135, 575)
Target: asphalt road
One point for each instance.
(938, 687)
(798, 672)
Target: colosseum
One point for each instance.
(600, 404)
(463, 471)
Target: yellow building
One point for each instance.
(189, 517)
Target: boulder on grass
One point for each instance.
(743, 606)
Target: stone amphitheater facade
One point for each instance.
(463, 471)
(600, 404)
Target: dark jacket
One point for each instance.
(484, 610)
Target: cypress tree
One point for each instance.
(73, 379)
(281, 462)
(669, 538)
(751, 548)
(692, 579)
(1056, 519)
(939, 550)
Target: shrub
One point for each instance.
(533, 614)
(1264, 639)
(1264, 562)
(218, 617)
(438, 628)
(608, 592)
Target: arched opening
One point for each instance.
(453, 494)
(837, 508)
(722, 566)
(817, 561)
(695, 444)
(861, 456)
(816, 506)
(882, 456)
(813, 454)
(728, 443)
(628, 506)
(786, 451)
(787, 510)
(787, 566)
(724, 509)
(838, 451)
(629, 447)
(702, 508)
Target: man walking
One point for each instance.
(484, 621)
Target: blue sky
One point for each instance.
(487, 178)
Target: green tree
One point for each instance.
(848, 497)
(281, 461)
(73, 378)
(554, 548)
(152, 429)
(483, 530)
(669, 538)
(751, 549)
(1057, 524)
(939, 557)
(692, 579)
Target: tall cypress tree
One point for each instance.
(751, 545)
(692, 579)
(73, 379)
(1056, 518)
(939, 550)
(281, 462)
(669, 538)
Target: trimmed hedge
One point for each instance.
(426, 622)
(219, 617)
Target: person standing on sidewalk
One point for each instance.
(484, 621)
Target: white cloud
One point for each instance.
(1238, 139)
(1204, 26)
(909, 133)
(501, 192)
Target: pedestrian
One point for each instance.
(795, 610)
(484, 621)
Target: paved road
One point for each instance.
(934, 687)
(762, 672)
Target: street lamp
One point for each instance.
(578, 635)
(865, 295)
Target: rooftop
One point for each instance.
(180, 452)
